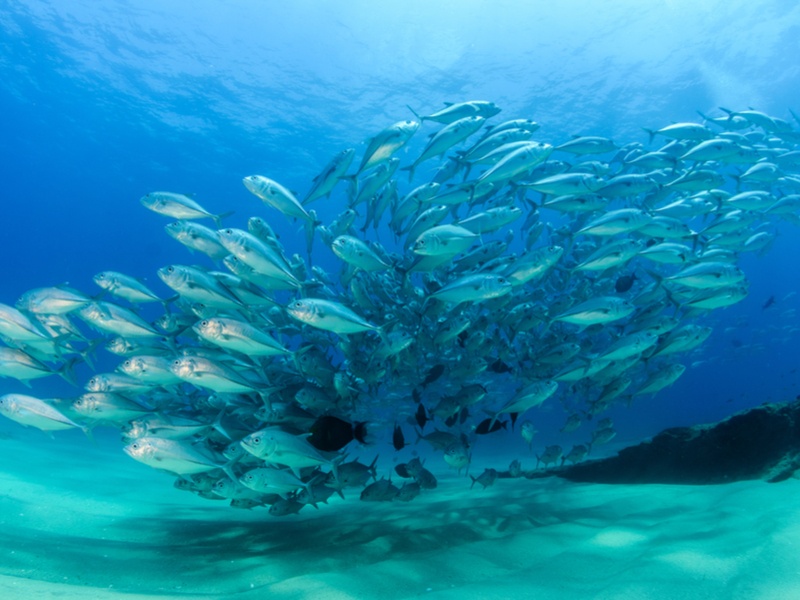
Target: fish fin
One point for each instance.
(419, 437)
(167, 301)
(88, 433)
(360, 431)
(410, 169)
(86, 353)
(228, 470)
(66, 370)
(218, 218)
(217, 424)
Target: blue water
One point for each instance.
(103, 102)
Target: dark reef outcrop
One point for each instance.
(761, 443)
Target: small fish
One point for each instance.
(178, 457)
(445, 139)
(274, 194)
(577, 454)
(603, 309)
(34, 412)
(329, 433)
(197, 237)
(178, 206)
(425, 479)
(358, 253)
(488, 426)
(331, 175)
(499, 366)
(527, 431)
(433, 374)
(329, 315)
(398, 439)
(550, 455)
(624, 283)
(387, 142)
(587, 145)
(409, 491)
(126, 287)
(486, 479)
(454, 112)
(380, 491)
(58, 300)
(421, 416)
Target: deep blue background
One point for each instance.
(102, 102)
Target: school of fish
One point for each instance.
(521, 274)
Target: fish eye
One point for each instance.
(176, 362)
(257, 440)
(170, 269)
(204, 323)
(135, 445)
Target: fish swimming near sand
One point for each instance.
(547, 281)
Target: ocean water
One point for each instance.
(102, 103)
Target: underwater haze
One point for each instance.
(105, 104)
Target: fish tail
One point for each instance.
(87, 353)
(493, 421)
(228, 470)
(651, 133)
(474, 480)
(218, 218)
(217, 424)
(360, 432)
(352, 191)
(421, 119)
(738, 180)
(795, 116)
(728, 111)
(419, 435)
(66, 371)
(410, 169)
(472, 187)
(87, 431)
(167, 301)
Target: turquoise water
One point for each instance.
(104, 103)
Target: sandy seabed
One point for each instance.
(82, 520)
